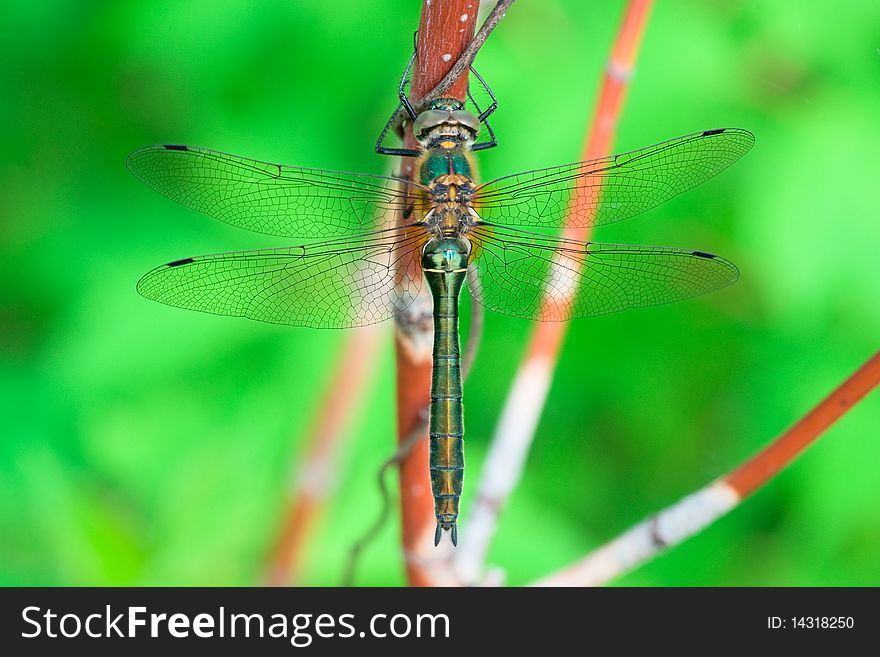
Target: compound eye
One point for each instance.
(427, 120)
(468, 120)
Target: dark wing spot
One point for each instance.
(176, 147)
(177, 263)
(717, 131)
(703, 254)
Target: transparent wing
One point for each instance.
(537, 277)
(610, 189)
(274, 198)
(334, 284)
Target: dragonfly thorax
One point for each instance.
(451, 196)
(451, 188)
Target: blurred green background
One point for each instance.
(145, 445)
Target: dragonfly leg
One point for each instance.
(483, 114)
(395, 123)
(407, 111)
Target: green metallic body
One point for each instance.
(445, 266)
(446, 168)
(441, 161)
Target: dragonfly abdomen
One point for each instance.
(445, 266)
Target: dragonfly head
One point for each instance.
(446, 254)
(444, 119)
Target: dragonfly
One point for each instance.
(371, 242)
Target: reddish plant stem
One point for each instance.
(763, 466)
(463, 63)
(416, 502)
(442, 37)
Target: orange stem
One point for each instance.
(762, 467)
(616, 79)
(548, 336)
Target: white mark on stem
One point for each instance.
(463, 18)
(446, 57)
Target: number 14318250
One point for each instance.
(810, 622)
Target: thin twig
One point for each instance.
(519, 418)
(698, 510)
